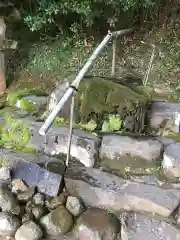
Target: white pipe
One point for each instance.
(75, 84)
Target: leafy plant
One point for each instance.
(112, 124)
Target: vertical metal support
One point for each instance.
(114, 56)
(70, 129)
(149, 66)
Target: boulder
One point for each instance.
(29, 231)
(8, 203)
(104, 190)
(164, 116)
(171, 161)
(96, 224)
(103, 96)
(136, 226)
(74, 206)
(8, 224)
(58, 221)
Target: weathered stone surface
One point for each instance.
(5, 174)
(165, 141)
(54, 202)
(18, 186)
(137, 226)
(13, 159)
(171, 161)
(59, 221)
(84, 145)
(34, 175)
(96, 224)
(8, 224)
(103, 190)
(8, 202)
(165, 115)
(116, 146)
(39, 199)
(74, 206)
(27, 195)
(29, 231)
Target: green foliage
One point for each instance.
(112, 124)
(83, 13)
(14, 134)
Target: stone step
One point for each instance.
(104, 190)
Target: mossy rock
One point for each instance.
(18, 99)
(97, 98)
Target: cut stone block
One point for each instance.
(103, 190)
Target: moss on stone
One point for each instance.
(26, 105)
(13, 97)
(99, 97)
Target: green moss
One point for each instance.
(26, 105)
(13, 97)
(14, 134)
(126, 166)
(102, 97)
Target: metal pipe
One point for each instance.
(114, 57)
(45, 127)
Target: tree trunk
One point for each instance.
(2, 73)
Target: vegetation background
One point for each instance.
(52, 33)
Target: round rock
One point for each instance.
(38, 199)
(29, 231)
(8, 202)
(58, 221)
(74, 206)
(38, 211)
(96, 224)
(8, 224)
(171, 161)
(54, 202)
